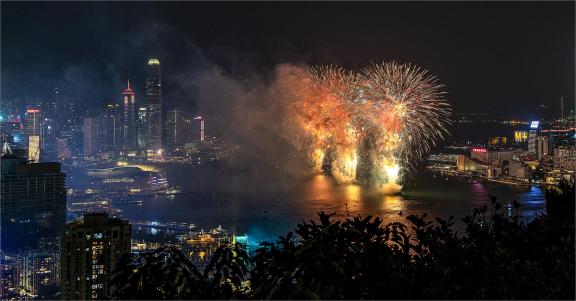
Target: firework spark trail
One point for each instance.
(384, 118)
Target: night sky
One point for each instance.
(506, 58)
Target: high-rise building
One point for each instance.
(533, 134)
(90, 136)
(174, 129)
(33, 121)
(64, 151)
(91, 249)
(49, 144)
(55, 108)
(112, 139)
(202, 134)
(34, 133)
(542, 147)
(32, 202)
(129, 121)
(142, 128)
(154, 108)
(11, 274)
(41, 273)
(34, 148)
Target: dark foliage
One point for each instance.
(560, 202)
(360, 258)
(167, 274)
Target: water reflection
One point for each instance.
(353, 198)
(210, 205)
(393, 204)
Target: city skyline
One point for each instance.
(504, 69)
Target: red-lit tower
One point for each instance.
(129, 121)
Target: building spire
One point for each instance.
(128, 83)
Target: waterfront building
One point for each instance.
(127, 179)
(154, 108)
(494, 170)
(91, 249)
(542, 147)
(130, 133)
(32, 202)
(464, 163)
(143, 246)
(518, 169)
(533, 134)
(479, 153)
(497, 156)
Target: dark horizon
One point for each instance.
(504, 58)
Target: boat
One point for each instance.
(173, 190)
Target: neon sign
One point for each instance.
(534, 124)
(479, 150)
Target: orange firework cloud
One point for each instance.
(384, 118)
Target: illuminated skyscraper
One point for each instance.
(130, 134)
(40, 271)
(34, 133)
(533, 134)
(154, 108)
(142, 128)
(91, 248)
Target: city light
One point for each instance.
(479, 150)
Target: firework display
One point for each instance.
(371, 126)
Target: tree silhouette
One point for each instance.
(167, 274)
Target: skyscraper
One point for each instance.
(174, 129)
(142, 129)
(33, 202)
(129, 122)
(50, 127)
(112, 129)
(154, 108)
(40, 271)
(91, 249)
(34, 133)
(90, 136)
(33, 121)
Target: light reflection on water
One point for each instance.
(266, 210)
